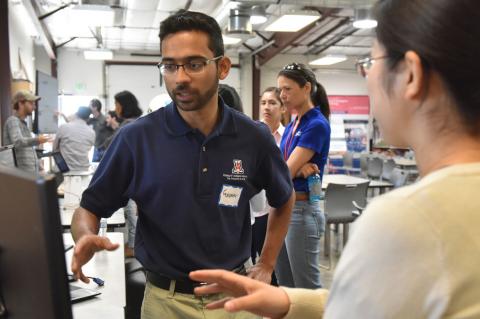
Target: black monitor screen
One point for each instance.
(33, 281)
(60, 162)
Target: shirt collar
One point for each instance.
(177, 126)
(311, 113)
(280, 129)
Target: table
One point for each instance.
(115, 221)
(348, 179)
(403, 162)
(109, 266)
(66, 214)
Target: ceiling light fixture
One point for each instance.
(364, 19)
(92, 15)
(239, 25)
(329, 59)
(258, 15)
(230, 40)
(293, 22)
(98, 54)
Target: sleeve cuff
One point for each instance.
(306, 303)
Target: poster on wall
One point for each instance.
(349, 104)
(350, 114)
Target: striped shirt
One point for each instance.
(16, 132)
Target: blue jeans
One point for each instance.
(97, 154)
(298, 261)
(131, 217)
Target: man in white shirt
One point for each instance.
(75, 139)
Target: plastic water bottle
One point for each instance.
(314, 188)
(103, 227)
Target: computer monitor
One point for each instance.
(33, 280)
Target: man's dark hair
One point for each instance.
(129, 105)
(445, 35)
(96, 104)
(184, 20)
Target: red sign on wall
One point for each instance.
(349, 104)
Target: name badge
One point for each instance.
(230, 195)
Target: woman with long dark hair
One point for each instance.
(305, 144)
(415, 251)
(127, 108)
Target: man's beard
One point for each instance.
(193, 99)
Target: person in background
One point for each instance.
(271, 112)
(16, 132)
(305, 145)
(128, 109)
(113, 121)
(102, 131)
(192, 168)
(230, 96)
(74, 140)
(415, 251)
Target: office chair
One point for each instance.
(135, 287)
(387, 169)
(343, 204)
(374, 167)
(348, 163)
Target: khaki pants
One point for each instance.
(163, 304)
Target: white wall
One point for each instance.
(42, 60)
(21, 44)
(246, 81)
(339, 79)
(77, 75)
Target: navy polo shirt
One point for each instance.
(192, 191)
(313, 132)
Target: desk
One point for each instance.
(405, 162)
(109, 266)
(347, 179)
(116, 220)
(66, 214)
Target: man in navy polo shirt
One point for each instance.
(192, 168)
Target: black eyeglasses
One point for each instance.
(364, 65)
(195, 66)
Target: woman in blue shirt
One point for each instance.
(305, 144)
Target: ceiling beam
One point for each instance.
(45, 36)
(283, 40)
(338, 25)
(335, 40)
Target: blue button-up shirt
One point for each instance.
(313, 132)
(192, 191)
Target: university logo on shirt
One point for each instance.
(237, 167)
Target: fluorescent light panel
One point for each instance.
(292, 22)
(365, 24)
(329, 60)
(92, 15)
(98, 54)
(258, 19)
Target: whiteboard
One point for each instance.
(47, 89)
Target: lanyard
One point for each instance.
(289, 141)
